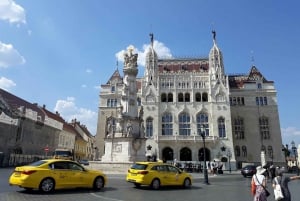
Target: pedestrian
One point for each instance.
(259, 181)
(283, 181)
(272, 171)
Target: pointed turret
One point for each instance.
(151, 64)
(216, 60)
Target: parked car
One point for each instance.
(248, 170)
(49, 175)
(84, 162)
(157, 174)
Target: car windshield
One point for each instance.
(138, 166)
(37, 163)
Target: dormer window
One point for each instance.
(259, 86)
(113, 89)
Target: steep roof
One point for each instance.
(15, 106)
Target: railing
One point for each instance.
(184, 138)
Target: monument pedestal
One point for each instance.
(124, 149)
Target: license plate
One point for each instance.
(133, 174)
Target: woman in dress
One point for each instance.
(284, 181)
(260, 182)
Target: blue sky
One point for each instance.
(58, 53)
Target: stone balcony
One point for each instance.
(182, 138)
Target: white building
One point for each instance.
(179, 97)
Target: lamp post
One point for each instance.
(202, 133)
(294, 149)
(229, 156)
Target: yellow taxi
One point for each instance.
(51, 174)
(157, 174)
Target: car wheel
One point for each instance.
(137, 185)
(187, 183)
(98, 183)
(47, 185)
(155, 184)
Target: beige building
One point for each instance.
(182, 98)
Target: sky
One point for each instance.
(58, 53)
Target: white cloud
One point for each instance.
(6, 83)
(68, 110)
(88, 70)
(290, 132)
(160, 48)
(9, 56)
(12, 12)
(83, 86)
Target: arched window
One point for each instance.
(202, 119)
(185, 154)
(263, 148)
(244, 151)
(198, 97)
(264, 128)
(149, 127)
(184, 124)
(221, 127)
(237, 151)
(270, 152)
(167, 154)
(163, 97)
(186, 97)
(180, 97)
(238, 128)
(139, 101)
(170, 97)
(167, 124)
(204, 97)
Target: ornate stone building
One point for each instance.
(182, 98)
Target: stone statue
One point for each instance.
(141, 113)
(109, 125)
(130, 60)
(129, 129)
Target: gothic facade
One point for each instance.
(187, 103)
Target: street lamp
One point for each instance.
(202, 133)
(294, 149)
(229, 155)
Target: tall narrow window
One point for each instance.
(149, 127)
(264, 128)
(163, 97)
(170, 97)
(202, 119)
(221, 127)
(238, 128)
(167, 124)
(184, 124)
(237, 151)
(186, 97)
(204, 97)
(244, 151)
(198, 97)
(180, 97)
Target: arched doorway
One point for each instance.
(167, 154)
(201, 154)
(185, 154)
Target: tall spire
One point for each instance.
(214, 35)
(151, 39)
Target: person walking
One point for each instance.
(283, 181)
(260, 182)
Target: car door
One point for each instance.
(80, 177)
(163, 175)
(59, 171)
(174, 177)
